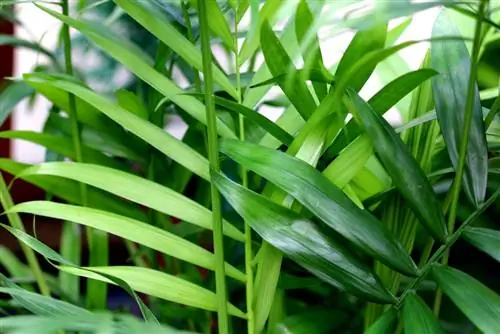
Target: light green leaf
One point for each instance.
(157, 284)
(132, 103)
(384, 324)
(140, 64)
(156, 137)
(217, 22)
(129, 229)
(151, 20)
(135, 189)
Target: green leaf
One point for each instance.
(268, 12)
(312, 56)
(405, 172)
(129, 229)
(381, 102)
(69, 190)
(418, 317)
(132, 103)
(485, 239)
(22, 43)
(14, 93)
(130, 56)
(217, 22)
(315, 321)
(63, 146)
(153, 135)
(395, 33)
(135, 189)
(480, 304)
(324, 200)
(303, 242)
(71, 249)
(316, 75)
(272, 128)
(384, 324)
(157, 284)
(452, 60)
(38, 304)
(280, 63)
(364, 42)
(155, 23)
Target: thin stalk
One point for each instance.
(457, 182)
(244, 179)
(493, 111)
(189, 27)
(16, 222)
(213, 155)
(446, 246)
(97, 240)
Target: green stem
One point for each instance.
(469, 106)
(213, 155)
(244, 179)
(97, 240)
(446, 246)
(16, 222)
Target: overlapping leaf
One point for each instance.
(405, 172)
(303, 242)
(324, 200)
(418, 317)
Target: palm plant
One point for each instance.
(315, 220)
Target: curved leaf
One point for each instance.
(140, 64)
(381, 102)
(153, 135)
(165, 32)
(407, 175)
(485, 239)
(365, 41)
(272, 128)
(315, 75)
(418, 317)
(129, 229)
(480, 304)
(69, 190)
(62, 146)
(279, 62)
(451, 59)
(14, 93)
(324, 200)
(303, 242)
(157, 284)
(384, 324)
(17, 42)
(135, 189)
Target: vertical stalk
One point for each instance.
(244, 179)
(16, 222)
(213, 154)
(457, 182)
(97, 241)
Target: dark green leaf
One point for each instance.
(303, 242)
(418, 317)
(315, 321)
(485, 239)
(11, 96)
(279, 63)
(17, 42)
(381, 102)
(324, 200)
(480, 304)
(452, 60)
(405, 172)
